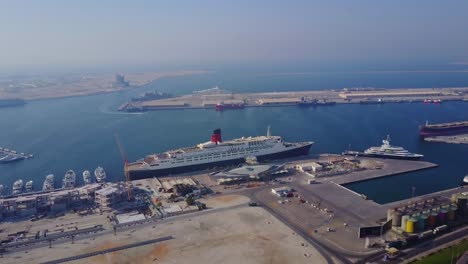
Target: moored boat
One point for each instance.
(18, 187)
(48, 183)
(69, 180)
(87, 177)
(100, 174)
(386, 151)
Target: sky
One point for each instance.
(67, 34)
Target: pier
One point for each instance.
(345, 96)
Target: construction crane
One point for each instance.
(124, 159)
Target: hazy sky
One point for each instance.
(84, 33)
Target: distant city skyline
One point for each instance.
(55, 34)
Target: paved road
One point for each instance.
(100, 252)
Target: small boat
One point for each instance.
(465, 180)
(18, 187)
(48, 183)
(87, 177)
(29, 186)
(1, 189)
(69, 180)
(100, 174)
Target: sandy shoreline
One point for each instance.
(79, 85)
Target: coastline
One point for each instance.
(86, 86)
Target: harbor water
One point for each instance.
(78, 133)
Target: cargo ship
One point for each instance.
(444, 129)
(213, 153)
(222, 106)
(386, 151)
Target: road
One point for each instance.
(123, 229)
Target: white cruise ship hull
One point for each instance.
(136, 173)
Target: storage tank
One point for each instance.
(404, 219)
(442, 217)
(396, 218)
(410, 225)
(461, 204)
(421, 222)
(432, 220)
(390, 213)
(452, 213)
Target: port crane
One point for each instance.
(124, 159)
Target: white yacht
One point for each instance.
(69, 180)
(386, 151)
(87, 177)
(29, 186)
(48, 183)
(100, 174)
(18, 187)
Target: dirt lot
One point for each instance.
(233, 235)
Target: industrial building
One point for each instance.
(278, 101)
(111, 196)
(310, 166)
(397, 94)
(41, 202)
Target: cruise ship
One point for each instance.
(386, 151)
(18, 187)
(48, 183)
(69, 180)
(87, 177)
(215, 153)
(100, 174)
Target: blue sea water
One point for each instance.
(79, 133)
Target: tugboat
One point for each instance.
(100, 174)
(18, 187)
(69, 180)
(29, 186)
(87, 177)
(386, 151)
(48, 183)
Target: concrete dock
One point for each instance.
(456, 139)
(390, 168)
(294, 98)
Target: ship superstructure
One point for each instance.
(215, 152)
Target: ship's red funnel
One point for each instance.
(216, 137)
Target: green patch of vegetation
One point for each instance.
(445, 255)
